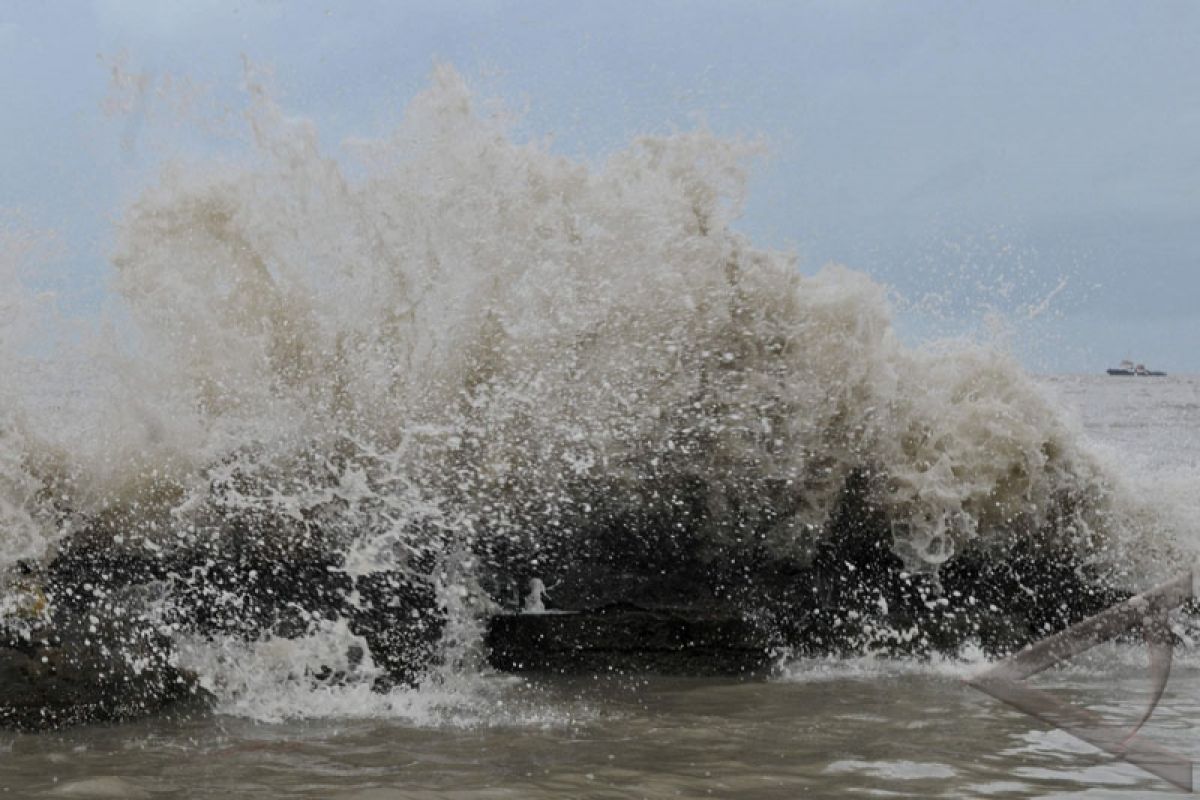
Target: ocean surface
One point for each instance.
(820, 728)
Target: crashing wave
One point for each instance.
(452, 361)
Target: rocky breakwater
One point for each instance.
(647, 597)
(91, 634)
(64, 666)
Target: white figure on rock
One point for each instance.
(535, 600)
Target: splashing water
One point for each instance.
(27, 527)
(452, 345)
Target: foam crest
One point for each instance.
(329, 674)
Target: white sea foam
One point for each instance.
(875, 667)
(279, 679)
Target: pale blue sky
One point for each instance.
(977, 152)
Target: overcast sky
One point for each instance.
(971, 155)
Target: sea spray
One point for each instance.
(489, 310)
(27, 517)
(366, 398)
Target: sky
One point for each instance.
(1036, 163)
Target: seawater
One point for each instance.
(819, 728)
(449, 336)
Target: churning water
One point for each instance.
(458, 340)
(825, 727)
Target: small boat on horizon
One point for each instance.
(1136, 370)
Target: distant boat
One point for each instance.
(1136, 370)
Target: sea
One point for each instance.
(448, 339)
(862, 727)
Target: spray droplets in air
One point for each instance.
(448, 345)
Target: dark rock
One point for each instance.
(96, 657)
(852, 595)
(399, 617)
(653, 589)
(88, 670)
(626, 639)
(254, 575)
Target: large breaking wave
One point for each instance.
(451, 347)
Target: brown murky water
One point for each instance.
(860, 729)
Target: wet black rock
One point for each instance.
(95, 652)
(644, 592)
(625, 639)
(264, 577)
(84, 670)
(650, 590)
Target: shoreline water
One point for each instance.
(821, 726)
